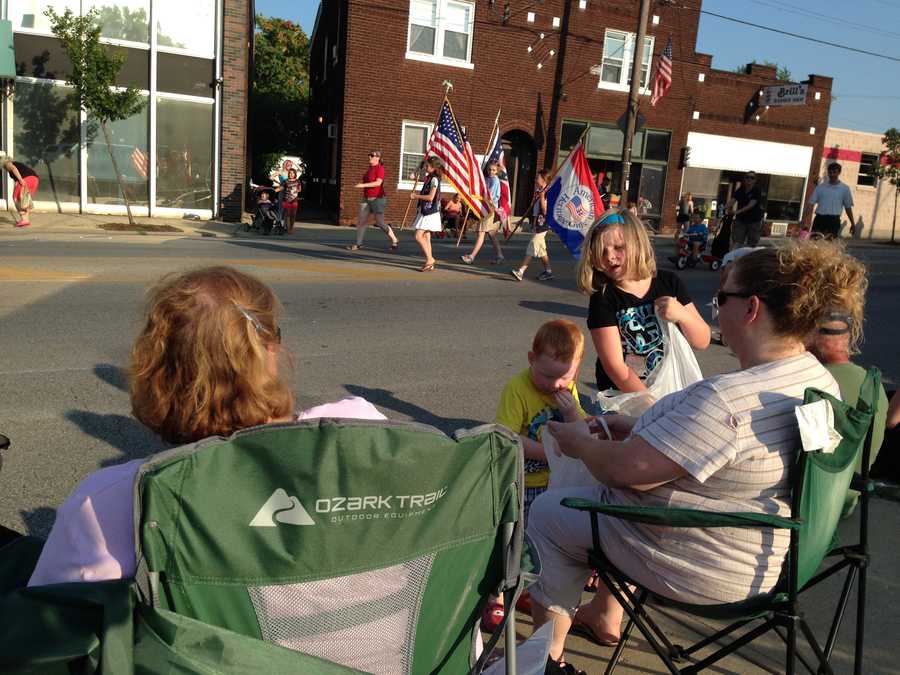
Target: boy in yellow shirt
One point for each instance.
(543, 392)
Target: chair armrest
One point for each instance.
(683, 517)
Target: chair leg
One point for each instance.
(860, 619)
(839, 611)
(824, 666)
(791, 641)
(620, 648)
(636, 615)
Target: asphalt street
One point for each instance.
(431, 347)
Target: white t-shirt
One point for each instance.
(832, 199)
(736, 436)
(93, 536)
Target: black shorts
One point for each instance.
(827, 225)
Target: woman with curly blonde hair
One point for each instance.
(726, 443)
(205, 364)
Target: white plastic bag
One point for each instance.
(565, 471)
(531, 655)
(679, 368)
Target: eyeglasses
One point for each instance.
(722, 297)
(374, 154)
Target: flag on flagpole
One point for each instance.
(663, 74)
(573, 203)
(449, 144)
(496, 154)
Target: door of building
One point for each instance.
(521, 160)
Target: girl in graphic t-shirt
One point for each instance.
(618, 270)
(428, 218)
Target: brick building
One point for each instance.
(873, 200)
(557, 68)
(191, 61)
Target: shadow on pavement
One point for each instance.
(112, 375)
(38, 521)
(125, 434)
(556, 308)
(386, 399)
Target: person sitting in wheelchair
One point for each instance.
(208, 362)
(266, 217)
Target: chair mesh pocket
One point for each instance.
(365, 621)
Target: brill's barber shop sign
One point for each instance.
(786, 94)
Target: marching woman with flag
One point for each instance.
(428, 218)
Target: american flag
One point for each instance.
(449, 144)
(141, 161)
(496, 154)
(663, 74)
(577, 208)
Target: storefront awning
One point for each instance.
(729, 153)
(7, 52)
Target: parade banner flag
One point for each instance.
(573, 203)
(496, 154)
(449, 144)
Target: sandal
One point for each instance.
(581, 629)
(561, 668)
(395, 245)
(353, 247)
(492, 616)
(427, 268)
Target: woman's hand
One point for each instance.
(670, 309)
(619, 426)
(567, 405)
(571, 437)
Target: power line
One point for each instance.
(800, 37)
(835, 20)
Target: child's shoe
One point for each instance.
(492, 616)
(546, 275)
(517, 274)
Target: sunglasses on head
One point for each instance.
(257, 325)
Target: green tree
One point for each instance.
(890, 169)
(94, 71)
(781, 72)
(279, 94)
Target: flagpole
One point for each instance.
(462, 230)
(584, 133)
(447, 85)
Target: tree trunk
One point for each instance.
(894, 226)
(116, 169)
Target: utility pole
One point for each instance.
(633, 98)
(552, 143)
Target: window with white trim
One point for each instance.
(413, 140)
(618, 60)
(441, 30)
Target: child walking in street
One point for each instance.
(537, 247)
(428, 217)
(542, 392)
(490, 224)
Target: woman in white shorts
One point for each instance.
(428, 216)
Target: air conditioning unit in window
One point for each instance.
(332, 131)
(778, 230)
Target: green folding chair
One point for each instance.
(820, 482)
(325, 546)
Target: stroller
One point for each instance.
(711, 255)
(267, 216)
